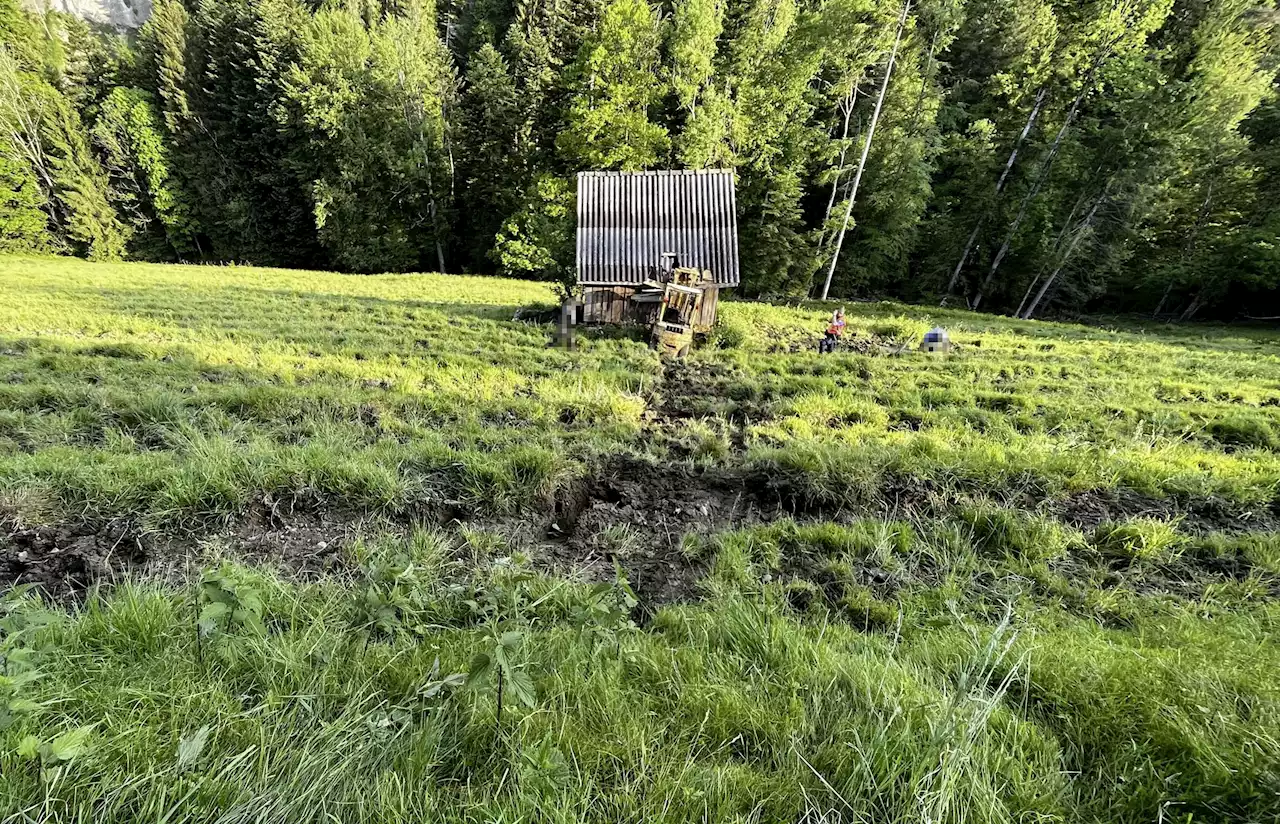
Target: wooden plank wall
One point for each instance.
(608, 304)
(613, 304)
(707, 317)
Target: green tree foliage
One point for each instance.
(24, 224)
(19, 35)
(38, 125)
(493, 135)
(370, 101)
(163, 47)
(617, 82)
(695, 32)
(130, 139)
(1034, 155)
(537, 241)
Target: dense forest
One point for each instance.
(1022, 156)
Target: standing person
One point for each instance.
(834, 330)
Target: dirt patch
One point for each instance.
(851, 343)
(305, 543)
(701, 389)
(636, 514)
(1086, 510)
(64, 560)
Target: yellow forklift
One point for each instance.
(678, 316)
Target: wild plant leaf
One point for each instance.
(434, 688)
(522, 685)
(481, 667)
(217, 592)
(510, 640)
(29, 747)
(211, 619)
(500, 658)
(71, 744)
(248, 620)
(249, 599)
(190, 746)
(629, 598)
(215, 612)
(23, 705)
(20, 664)
(21, 679)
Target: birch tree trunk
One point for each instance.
(1045, 167)
(1163, 300)
(1197, 303)
(1057, 245)
(866, 148)
(20, 116)
(849, 102)
(1083, 229)
(1190, 245)
(1004, 178)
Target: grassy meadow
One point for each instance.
(316, 547)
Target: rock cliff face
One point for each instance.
(121, 15)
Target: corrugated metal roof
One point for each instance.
(626, 220)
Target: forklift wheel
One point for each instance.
(683, 353)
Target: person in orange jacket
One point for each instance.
(834, 330)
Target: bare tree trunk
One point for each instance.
(964, 258)
(1163, 300)
(21, 117)
(439, 248)
(1190, 245)
(1004, 178)
(1022, 138)
(415, 118)
(1197, 303)
(1045, 167)
(848, 104)
(1057, 244)
(866, 147)
(1081, 230)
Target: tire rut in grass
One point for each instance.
(720, 396)
(1086, 510)
(64, 560)
(636, 514)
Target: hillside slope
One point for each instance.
(311, 547)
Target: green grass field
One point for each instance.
(314, 547)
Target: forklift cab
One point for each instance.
(682, 294)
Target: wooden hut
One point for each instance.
(628, 220)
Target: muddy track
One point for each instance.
(637, 515)
(631, 512)
(1196, 516)
(65, 560)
